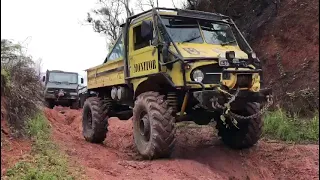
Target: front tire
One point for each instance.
(249, 131)
(95, 120)
(153, 126)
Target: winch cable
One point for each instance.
(227, 108)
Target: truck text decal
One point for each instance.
(192, 51)
(145, 66)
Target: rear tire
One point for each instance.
(249, 131)
(95, 120)
(153, 126)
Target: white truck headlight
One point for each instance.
(197, 75)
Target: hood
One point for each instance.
(191, 50)
(61, 86)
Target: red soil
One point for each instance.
(198, 154)
(12, 149)
(294, 34)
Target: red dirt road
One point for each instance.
(12, 149)
(198, 154)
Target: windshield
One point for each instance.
(217, 33)
(188, 30)
(63, 77)
(183, 30)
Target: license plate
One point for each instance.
(223, 62)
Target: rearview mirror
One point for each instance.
(147, 30)
(43, 78)
(81, 80)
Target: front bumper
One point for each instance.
(206, 97)
(57, 98)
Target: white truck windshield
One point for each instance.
(63, 77)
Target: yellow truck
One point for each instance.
(172, 65)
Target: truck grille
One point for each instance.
(56, 90)
(211, 78)
(244, 80)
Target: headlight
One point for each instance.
(197, 75)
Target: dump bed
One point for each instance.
(107, 74)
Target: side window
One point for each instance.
(117, 51)
(139, 41)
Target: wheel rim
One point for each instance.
(144, 127)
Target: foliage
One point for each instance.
(249, 15)
(304, 102)
(46, 162)
(107, 18)
(278, 125)
(20, 86)
(144, 5)
(110, 14)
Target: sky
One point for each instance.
(54, 30)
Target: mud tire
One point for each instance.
(95, 120)
(249, 133)
(161, 123)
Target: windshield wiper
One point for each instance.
(191, 39)
(57, 82)
(229, 42)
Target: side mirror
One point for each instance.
(252, 55)
(81, 80)
(147, 30)
(43, 78)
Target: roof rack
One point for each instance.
(60, 71)
(185, 13)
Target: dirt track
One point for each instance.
(198, 154)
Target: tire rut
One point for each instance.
(198, 154)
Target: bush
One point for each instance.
(304, 102)
(20, 86)
(278, 125)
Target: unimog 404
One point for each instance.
(172, 65)
(61, 88)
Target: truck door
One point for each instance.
(143, 56)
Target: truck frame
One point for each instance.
(158, 79)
